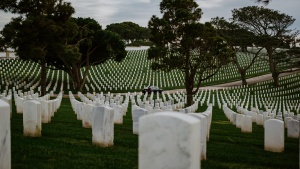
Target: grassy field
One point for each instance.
(65, 144)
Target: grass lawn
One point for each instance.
(65, 144)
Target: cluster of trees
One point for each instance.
(267, 30)
(130, 32)
(181, 42)
(45, 32)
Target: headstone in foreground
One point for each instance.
(103, 126)
(5, 138)
(274, 135)
(32, 118)
(169, 140)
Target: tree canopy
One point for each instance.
(91, 46)
(38, 32)
(271, 29)
(129, 31)
(241, 41)
(44, 32)
(181, 42)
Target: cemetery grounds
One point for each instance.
(66, 144)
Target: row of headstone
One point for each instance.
(239, 120)
(37, 111)
(277, 103)
(110, 100)
(273, 128)
(100, 115)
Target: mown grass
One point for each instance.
(65, 144)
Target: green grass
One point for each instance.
(65, 144)
(228, 147)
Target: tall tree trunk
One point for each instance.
(189, 86)
(243, 76)
(272, 66)
(189, 93)
(189, 80)
(275, 79)
(43, 77)
(73, 72)
(78, 81)
(87, 68)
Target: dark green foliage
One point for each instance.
(271, 30)
(129, 31)
(181, 42)
(37, 34)
(90, 46)
(239, 39)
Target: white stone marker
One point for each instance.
(45, 112)
(137, 113)
(32, 118)
(203, 132)
(293, 129)
(246, 124)
(260, 119)
(103, 126)
(286, 120)
(5, 140)
(169, 140)
(87, 116)
(239, 118)
(118, 114)
(274, 135)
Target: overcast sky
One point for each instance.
(140, 11)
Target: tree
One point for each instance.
(238, 39)
(271, 30)
(182, 42)
(129, 31)
(38, 33)
(91, 46)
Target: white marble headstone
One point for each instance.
(5, 137)
(137, 113)
(118, 114)
(32, 118)
(274, 135)
(293, 128)
(169, 140)
(203, 132)
(246, 126)
(103, 126)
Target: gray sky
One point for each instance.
(140, 11)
